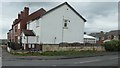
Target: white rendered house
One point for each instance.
(89, 39)
(58, 25)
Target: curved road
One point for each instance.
(107, 60)
(89, 61)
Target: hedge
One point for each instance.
(113, 45)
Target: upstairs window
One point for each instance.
(66, 21)
(65, 24)
(19, 26)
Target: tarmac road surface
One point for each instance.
(0, 57)
(106, 60)
(111, 60)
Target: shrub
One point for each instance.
(113, 45)
(14, 46)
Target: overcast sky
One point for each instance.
(100, 16)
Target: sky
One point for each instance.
(100, 15)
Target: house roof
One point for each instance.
(68, 6)
(28, 33)
(89, 37)
(37, 14)
(98, 34)
(41, 12)
(32, 16)
(114, 32)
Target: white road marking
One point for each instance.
(87, 61)
(94, 60)
(54, 65)
(114, 58)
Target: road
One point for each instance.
(107, 60)
(89, 61)
(0, 57)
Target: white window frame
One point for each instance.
(29, 45)
(33, 46)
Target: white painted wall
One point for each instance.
(51, 26)
(88, 40)
(29, 39)
(35, 26)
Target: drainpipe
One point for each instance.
(54, 40)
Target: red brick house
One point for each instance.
(20, 23)
(102, 36)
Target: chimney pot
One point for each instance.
(26, 11)
(18, 16)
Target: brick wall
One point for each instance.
(20, 20)
(23, 18)
(56, 47)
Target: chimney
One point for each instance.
(16, 20)
(26, 11)
(18, 16)
(21, 15)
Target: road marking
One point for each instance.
(114, 58)
(87, 61)
(94, 60)
(54, 65)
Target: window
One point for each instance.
(65, 24)
(66, 21)
(33, 46)
(29, 45)
(19, 26)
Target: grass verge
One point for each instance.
(60, 53)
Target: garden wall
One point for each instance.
(50, 47)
